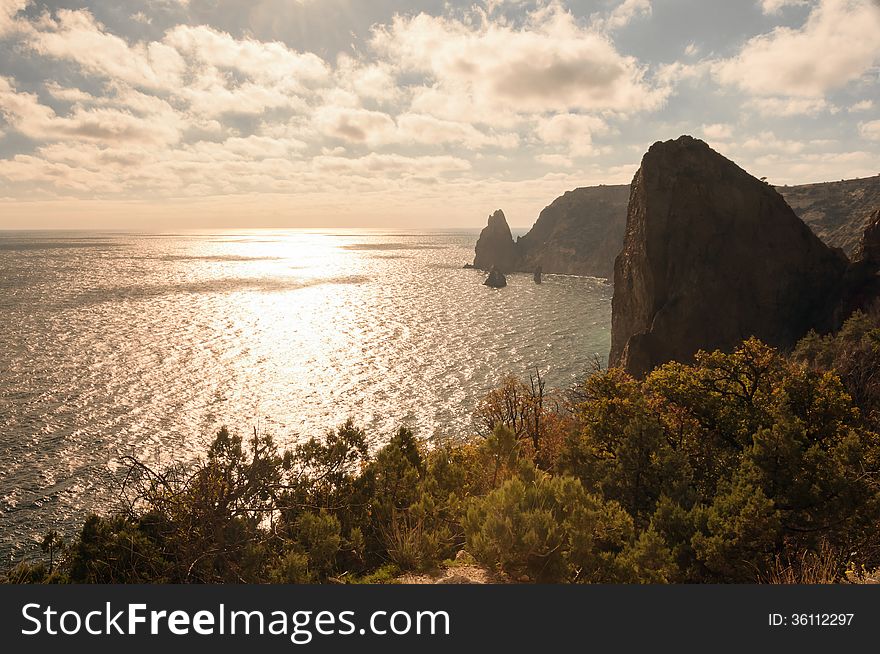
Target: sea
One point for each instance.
(131, 344)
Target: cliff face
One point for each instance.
(837, 212)
(712, 256)
(862, 285)
(495, 247)
(582, 232)
(578, 234)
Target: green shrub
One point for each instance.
(548, 528)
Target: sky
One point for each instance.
(383, 113)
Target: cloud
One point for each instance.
(555, 160)
(785, 107)
(374, 128)
(572, 130)
(511, 101)
(24, 113)
(492, 70)
(870, 130)
(771, 7)
(267, 63)
(768, 142)
(429, 130)
(800, 168)
(391, 164)
(354, 124)
(8, 10)
(837, 45)
(622, 15)
(76, 36)
(718, 131)
(862, 105)
(209, 69)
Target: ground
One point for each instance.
(463, 570)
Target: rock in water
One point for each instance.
(539, 275)
(496, 279)
(496, 248)
(712, 256)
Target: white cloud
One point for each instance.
(511, 104)
(623, 14)
(391, 164)
(837, 45)
(426, 129)
(768, 142)
(870, 130)
(490, 70)
(354, 124)
(804, 167)
(267, 63)
(574, 131)
(209, 69)
(784, 107)
(718, 131)
(771, 7)
(77, 36)
(555, 160)
(8, 10)
(24, 113)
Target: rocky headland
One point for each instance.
(581, 232)
(712, 256)
(572, 236)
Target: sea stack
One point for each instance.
(496, 279)
(496, 247)
(713, 256)
(539, 275)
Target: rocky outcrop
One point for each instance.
(712, 256)
(869, 247)
(580, 233)
(495, 247)
(837, 212)
(496, 279)
(862, 281)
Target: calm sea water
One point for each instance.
(117, 344)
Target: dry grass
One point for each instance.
(808, 568)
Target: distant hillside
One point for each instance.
(836, 211)
(581, 232)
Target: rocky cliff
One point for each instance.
(837, 212)
(711, 256)
(862, 282)
(495, 247)
(576, 233)
(581, 232)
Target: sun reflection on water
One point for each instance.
(146, 344)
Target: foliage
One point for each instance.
(742, 466)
